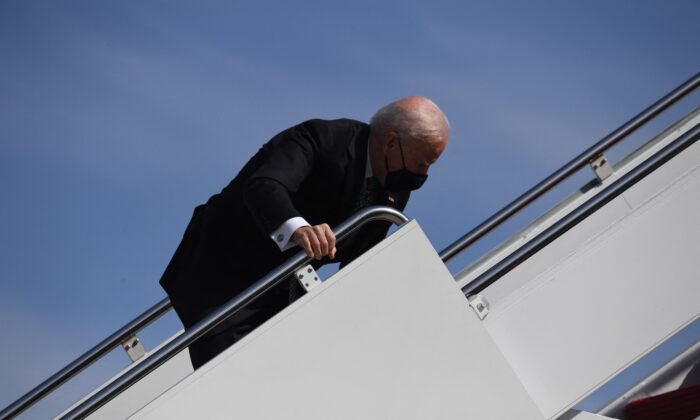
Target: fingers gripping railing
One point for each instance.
(342, 231)
(166, 352)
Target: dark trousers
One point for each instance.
(240, 324)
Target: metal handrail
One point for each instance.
(682, 362)
(481, 282)
(569, 169)
(138, 323)
(87, 359)
(151, 362)
(586, 209)
(448, 253)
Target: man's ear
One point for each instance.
(391, 139)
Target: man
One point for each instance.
(296, 188)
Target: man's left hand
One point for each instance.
(318, 241)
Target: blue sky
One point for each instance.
(117, 118)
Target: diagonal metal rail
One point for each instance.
(154, 360)
(448, 253)
(257, 289)
(586, 209)
(569, 169)
(87, 359)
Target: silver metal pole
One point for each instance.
(570, 168)
(448, 253)
(585, 210)
(231, 307)
(670, 370)
(82, 362)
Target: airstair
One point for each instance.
(531, 330)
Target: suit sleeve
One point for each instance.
(283, 164)
(368, 236)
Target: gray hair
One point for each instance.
(411, 123)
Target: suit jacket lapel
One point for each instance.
(355, 171)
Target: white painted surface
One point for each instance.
(571, 203)
(567, 320)
(606, 292)
(389, 337)
(667, 379)
(144, 391)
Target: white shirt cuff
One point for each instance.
(284, 232)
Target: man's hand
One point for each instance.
(318, 241)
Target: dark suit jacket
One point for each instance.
(314, 170)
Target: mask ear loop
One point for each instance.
(386, 158)
(401, 150)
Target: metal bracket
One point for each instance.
(134, 348)
(602, 167)
(307, 277)
(480, 305)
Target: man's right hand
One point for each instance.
(318, 241)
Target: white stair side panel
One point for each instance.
(569, 324)
(389, 337)
(577, 199)
(145, 390)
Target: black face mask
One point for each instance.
(402, 180)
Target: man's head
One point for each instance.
(406, 137)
